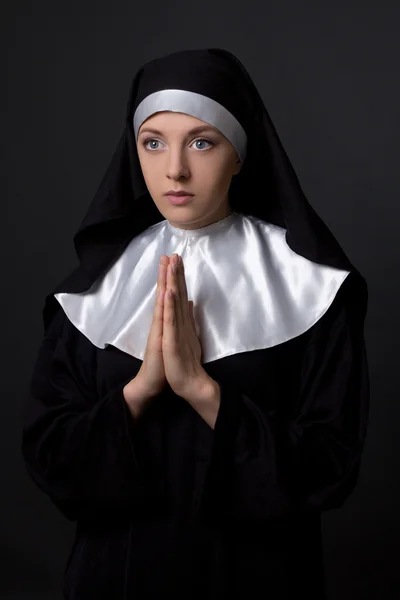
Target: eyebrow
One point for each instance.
(191, 132)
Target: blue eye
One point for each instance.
(148, 140)
(204, 140)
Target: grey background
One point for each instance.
(328, 73)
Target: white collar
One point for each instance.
(250, 290)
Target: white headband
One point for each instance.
(196, 105)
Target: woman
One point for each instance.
(196, 443)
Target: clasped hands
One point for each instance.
(181, 347)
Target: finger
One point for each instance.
(172, 282)
(161, 284)
(169, 312)
(174, 285)
(157, 325)
(181, 309)
(164, 259)
(180, 306)
(162, 270)
(183, 288)
(164, 262)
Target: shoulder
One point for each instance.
(347, 311)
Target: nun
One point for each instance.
(200, 396)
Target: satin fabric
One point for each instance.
(250, 290)
(166, 506)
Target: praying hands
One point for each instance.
(173, 350)
(181, 347)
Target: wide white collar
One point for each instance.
(250, 290)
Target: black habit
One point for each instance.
(164, 505)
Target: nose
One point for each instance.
(177, 164)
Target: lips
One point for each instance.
(178, 193)
(175, 199)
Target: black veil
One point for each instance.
(266, 187)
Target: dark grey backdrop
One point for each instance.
(328, 73)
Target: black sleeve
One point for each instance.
(78, 448)
(262, 466)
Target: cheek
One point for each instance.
(218, 175)
(149, 173)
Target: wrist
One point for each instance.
(205, 390)
(136, 397)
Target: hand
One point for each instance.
(181, 347)
(151, 380)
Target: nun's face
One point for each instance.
(174, 158)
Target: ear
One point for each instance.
(237, 167)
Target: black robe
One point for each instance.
(167, 506)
